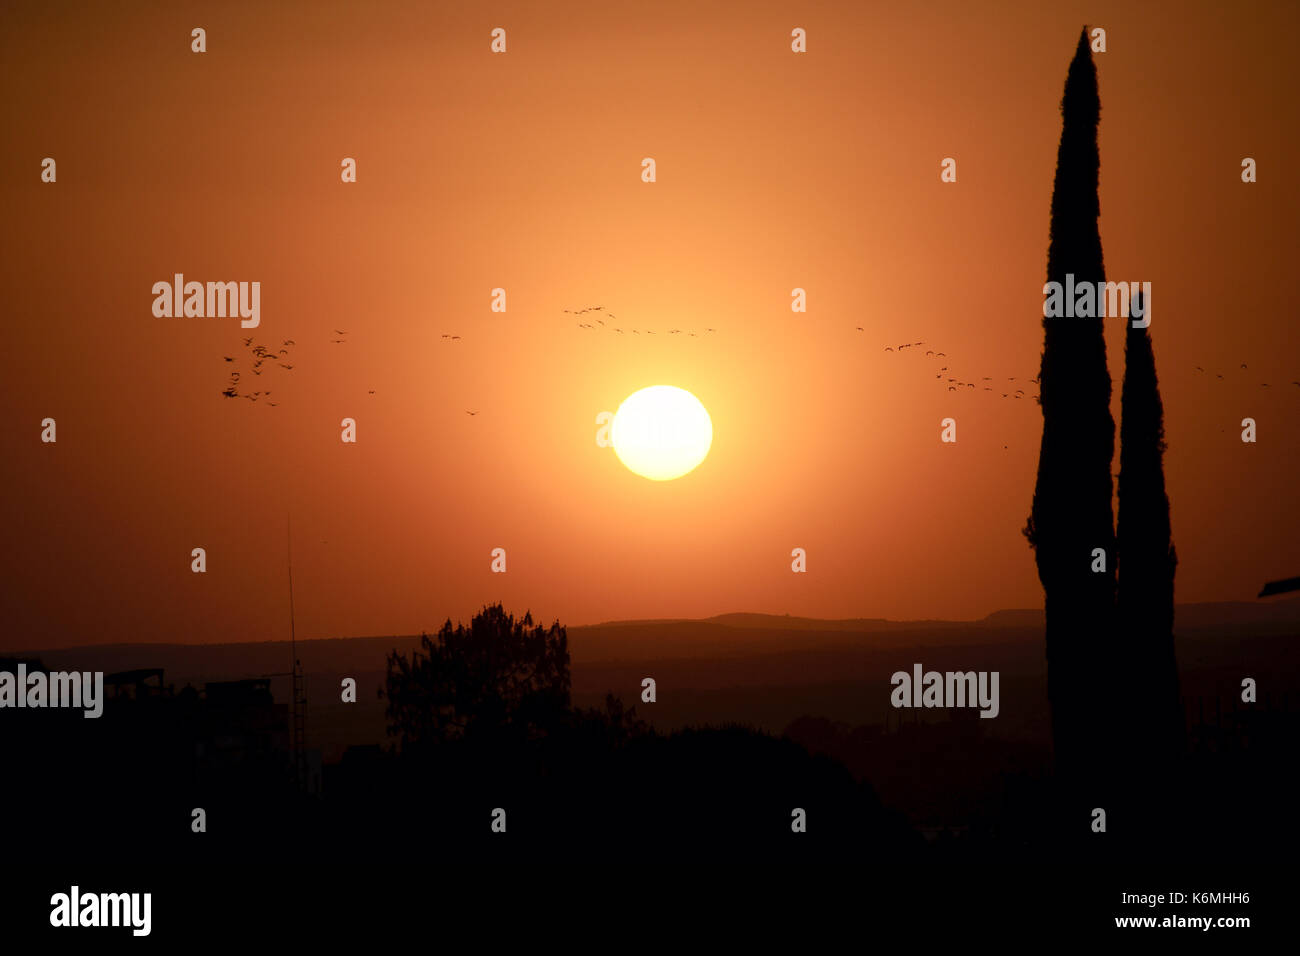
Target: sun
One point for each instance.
(661, 432)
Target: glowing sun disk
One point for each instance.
(661, 432)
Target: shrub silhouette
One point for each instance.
(485, 721)
(499, 678)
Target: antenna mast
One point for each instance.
(298, 706)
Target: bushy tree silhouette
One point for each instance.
(499, 678)
(1072, 514)
(484, 716)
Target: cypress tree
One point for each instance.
(1072, 514)
(1147, 561)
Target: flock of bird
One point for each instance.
(262, 356)
(1243, 368)
(955, 384)
(988, 384)
(602, 326)
(277, 357)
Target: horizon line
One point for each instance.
(715, 618)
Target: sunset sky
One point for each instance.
(775, 170)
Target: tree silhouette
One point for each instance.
(485, 720)
(498, 679)
(1072, 514)
(1147, 560)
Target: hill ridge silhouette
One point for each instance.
(1194, 616)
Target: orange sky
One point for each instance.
(522, 171)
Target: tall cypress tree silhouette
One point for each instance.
(1146, 560)
(1072, 514)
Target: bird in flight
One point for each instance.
(467, 412)
(339, 341)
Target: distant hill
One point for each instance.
(726, 635)
(762, 669)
